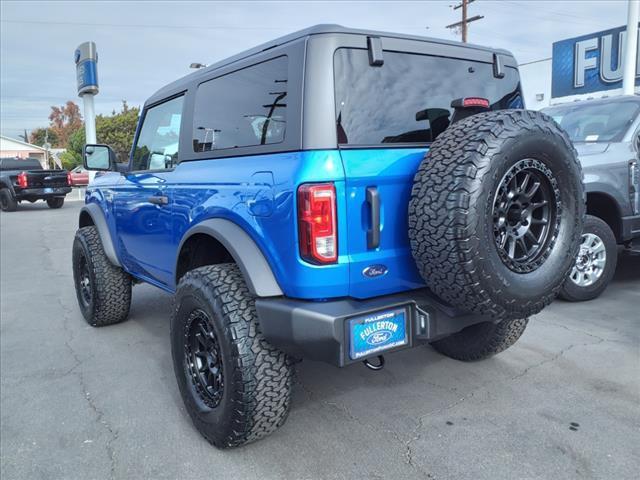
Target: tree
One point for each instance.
(64, 120)
(116, 130)
(40, 135)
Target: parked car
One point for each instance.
(23, 179)
(337, 195)
(606, 134)
(79, 176)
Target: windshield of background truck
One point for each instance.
(408, 98)
(598, 122)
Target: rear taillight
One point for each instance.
(69, 178)
(475, 102)
(317, 223)
(22, 180)
(470, 102)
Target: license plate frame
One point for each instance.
(376, 332)
(48, 190)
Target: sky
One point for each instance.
(143, 45)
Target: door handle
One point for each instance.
(159, 200)
(373, 234)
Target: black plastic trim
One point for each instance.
(252, 262)
(317, 330)
(97, 215)
(630, 228)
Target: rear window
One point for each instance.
(408, 98)
(20, 164)
(241, 109)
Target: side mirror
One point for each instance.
(99, 157)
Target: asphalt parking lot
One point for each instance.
(85, 403)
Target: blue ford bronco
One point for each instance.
(336, 195)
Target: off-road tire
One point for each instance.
(482, 340)
(257, 377)
(55, 202)
(110, 286)
(452, 207)
(572, 292)
(7, 202)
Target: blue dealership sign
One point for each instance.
(590, 63)
(86, 58)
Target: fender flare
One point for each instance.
(97, 216)
(247, 255)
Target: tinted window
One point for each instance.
(157, 145)
(242, 109)
(20, 164)
(596, 122)
(408, 98)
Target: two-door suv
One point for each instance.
(337, 195)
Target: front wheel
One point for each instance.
(595, 263)
(103, 289)
(55, 202)
(235, 386)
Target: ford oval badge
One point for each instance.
(373, 271)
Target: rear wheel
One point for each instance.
(7, 201)
(55, 202)
(595, 263)
(103, 289)
(482, 340)
(496, 213)
(235, 386)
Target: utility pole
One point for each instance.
(462, 25)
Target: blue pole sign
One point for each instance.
(590, 63)
(86, 58)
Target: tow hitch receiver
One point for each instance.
(377, 367)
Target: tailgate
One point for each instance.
(388, 172)
(47, 178)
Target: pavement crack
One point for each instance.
(98, 413)
(555, 357)
(350, 415)
(416, 433)
(574, 330)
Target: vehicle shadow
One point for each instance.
(628, 268)
(35, 207)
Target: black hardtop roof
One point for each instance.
(184, 82)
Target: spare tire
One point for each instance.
(496, 213)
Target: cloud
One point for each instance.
(145, 45)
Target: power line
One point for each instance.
(534, 61)
(182, 27)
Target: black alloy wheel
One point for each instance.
(526, 215)
(203, 358)
(84, 281)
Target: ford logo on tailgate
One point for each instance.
(373, 271)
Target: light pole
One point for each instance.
(86, 57)
(631, 49)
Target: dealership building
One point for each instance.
(589, 66)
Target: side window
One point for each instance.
(242, 109)
(157, 145)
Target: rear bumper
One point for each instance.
(318, 330)
(41, 193)
(630, 227)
